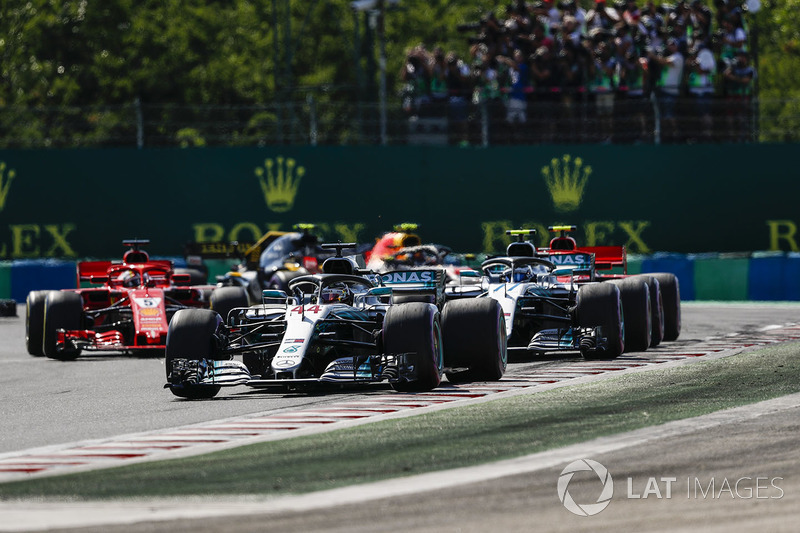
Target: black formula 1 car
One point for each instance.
(344, 326)
(269, 263)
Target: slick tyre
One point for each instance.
(34, 323)
(62, 310)
(671, 300)
(474, 337)
(414, 329)
(281, 278)
(599, 304)
(224, 299)
(635, 295)
(656, 309)
(191, 336)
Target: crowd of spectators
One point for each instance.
(555, 72)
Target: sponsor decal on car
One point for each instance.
(150, 323)
(425, 276)
(148, 302)
(570, 259)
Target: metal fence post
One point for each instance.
(312, 119)
(656, 119)
(137, 104)
(484, 123)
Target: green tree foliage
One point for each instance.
(196, 51)
(777, 25)
(174, 54)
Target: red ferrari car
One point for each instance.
(129, 311)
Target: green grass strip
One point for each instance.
(448, 438)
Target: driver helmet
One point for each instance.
(129, 279)
(523, 274)
(338, 293)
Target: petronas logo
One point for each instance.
(566, 180)
(6, 177)
(279, 179)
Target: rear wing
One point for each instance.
(605, 257)
(99, 269)
(413, 278)
(428, 283)
(89, 269)
(608, 257)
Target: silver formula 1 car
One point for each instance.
(547, 311)
(343, 326)
(549, 307)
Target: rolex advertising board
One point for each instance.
(686, 199)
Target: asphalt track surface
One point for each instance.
(47, 402)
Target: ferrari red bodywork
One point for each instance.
(610, 262)
(119, 306)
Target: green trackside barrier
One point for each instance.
(465, 197)
(635, 265)
(5, 279)
(218, 267)
(721, 277)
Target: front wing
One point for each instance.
(588, 340)
(345, 370)
(112, 340)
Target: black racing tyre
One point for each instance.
(34, 323)
(636, 311)
(62, 310)
(671, 300)
(207, 295)
(281, 278)
(223, 299)
(414, 329)
(599, 304)
(474, 336)
(191, 336)
(197, 276)
(656, 309)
